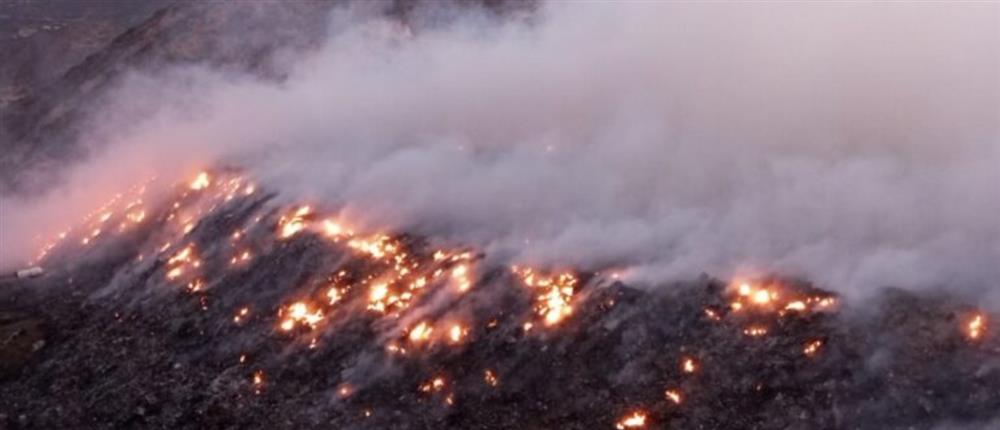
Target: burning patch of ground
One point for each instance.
(220, 307)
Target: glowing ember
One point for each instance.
(762, 297)
(755, 331)
(456, 333)
(437, 384)
(292, 224)
(976, 327)
(334, 295)
(299, 313)
(332, 228)
(673, 396)
(634, 420)
(175, 273)
(242, 257)
(195, 286)
(688, 365)
(345, 390)
(553, 302)
(421, 332)
(490, 378)
(201, 182)
(766, 299)
(460, 275)
(812, 348)
(241, 314)
(795, 306)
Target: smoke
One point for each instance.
(852, 144)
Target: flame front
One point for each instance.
(553, 302)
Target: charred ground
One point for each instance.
(112, 337)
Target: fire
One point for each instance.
(812, 348)
(182, 256)
(456, 333)
(755, 331)
(242, 313)
(976, 327)
(490, 378)
(175, 273)
(797, 305)
(688, 365)
(377, 247)
(241, 258)
(290, 225)
(421, 332)
(437, 384)
(334, 294)
(345, 390)
(635, 420)
(258, 377)
(460, 275)
(195, 285)
(673, 396)
(201, 182)
(299, 312)
(553, 302)
(763, 297)
(332, 228)
(771, 297)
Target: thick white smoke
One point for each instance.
(856, 145)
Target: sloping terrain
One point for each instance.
(41, 119)
(217, 304)
(219, 307)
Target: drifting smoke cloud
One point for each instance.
(856, 145)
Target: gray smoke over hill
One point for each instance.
(856, 145)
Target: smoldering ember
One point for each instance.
(499, 215)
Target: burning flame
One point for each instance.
(688, 365)
(300, 313)
(201, 182)
(490, 378)
(290, 225)
(456, 333)
(812, 348)
(397, 275)
(976, 327)
(768, 298)
(436, 384)
(635, 420)
(555, 293)
(421, 332)
(674, 396)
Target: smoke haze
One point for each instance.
(855, 145)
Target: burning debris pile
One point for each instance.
(221, 307)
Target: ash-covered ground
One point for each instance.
(217, 307)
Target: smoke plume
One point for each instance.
(852, 144)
